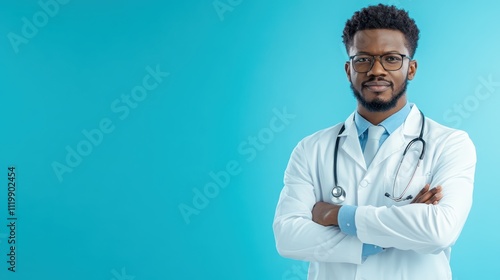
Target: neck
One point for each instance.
(376, 118)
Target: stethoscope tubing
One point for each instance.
(336, 190)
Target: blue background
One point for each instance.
(116, 215)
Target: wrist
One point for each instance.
(325, 214)
(333, 215)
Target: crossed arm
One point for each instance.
(303, 227)
(326, 214)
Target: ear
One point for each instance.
(347, 67)
(412, 69)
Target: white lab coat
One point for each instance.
(418, 237)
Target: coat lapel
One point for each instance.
(396, 142)
(350, 144)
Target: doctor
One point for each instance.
(392, 216)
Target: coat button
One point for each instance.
(364, 183)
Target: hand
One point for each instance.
(325, 214)
(429, 196)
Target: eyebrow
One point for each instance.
(358, 53)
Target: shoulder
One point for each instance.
(447, 138)
(440, 131)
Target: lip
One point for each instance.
(377, 86)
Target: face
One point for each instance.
(379, 90)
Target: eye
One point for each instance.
(362, 59)
(392, 58)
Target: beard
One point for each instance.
(377, 105)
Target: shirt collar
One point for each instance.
(390, 124)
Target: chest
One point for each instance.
(396, 172)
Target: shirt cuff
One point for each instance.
(369, 249)
(346, 219)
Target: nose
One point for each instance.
(377, 68)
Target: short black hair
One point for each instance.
(382, 17)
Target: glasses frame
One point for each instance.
(378, 57)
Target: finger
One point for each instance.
(434, 195)
(439, 188)
(436, 198)
(420, 194)
(424, 198)
(430, 196)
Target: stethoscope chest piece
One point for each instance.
(338, 195)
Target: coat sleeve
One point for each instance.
(421, 227)
(296, 235)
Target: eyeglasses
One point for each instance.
(363, 63)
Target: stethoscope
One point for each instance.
(338, 194)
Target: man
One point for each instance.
(396, 216)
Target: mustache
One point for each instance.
(378, 80)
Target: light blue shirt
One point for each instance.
(346, 216)
(390, 124)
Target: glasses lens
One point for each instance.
(362, 63)
(390, 62)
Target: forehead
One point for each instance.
(379, 41)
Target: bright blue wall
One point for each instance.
(230, 75)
